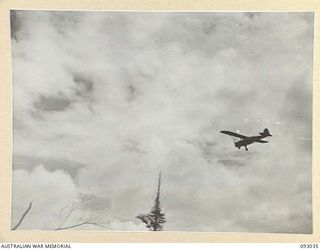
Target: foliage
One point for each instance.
(155, 219)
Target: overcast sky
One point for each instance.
(103, 101)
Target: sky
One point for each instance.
(104, 101)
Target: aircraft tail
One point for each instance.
(265, 132)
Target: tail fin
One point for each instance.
(266, 132)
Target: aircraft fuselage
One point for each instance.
(248, 141)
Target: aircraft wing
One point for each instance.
(261, 141)
(233, 134)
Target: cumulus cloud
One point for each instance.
(109, 99)
(50, 192)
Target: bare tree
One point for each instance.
(84, 220)
(23, 216)
(81, 222)
(155, 219)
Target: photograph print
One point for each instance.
(162, 121)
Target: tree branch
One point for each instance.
(71, 211)
(78, 225)
(23, 216)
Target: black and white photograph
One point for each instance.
(162, 121)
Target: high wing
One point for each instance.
(233, 134)
(261, 141)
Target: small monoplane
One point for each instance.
(246, 140)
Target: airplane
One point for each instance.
(246, 140)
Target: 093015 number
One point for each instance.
(309, 245)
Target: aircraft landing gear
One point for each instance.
(246, 148)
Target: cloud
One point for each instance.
(29, 163)
(50, 192)
(231, 163)
(52, 103)
(112, 98)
